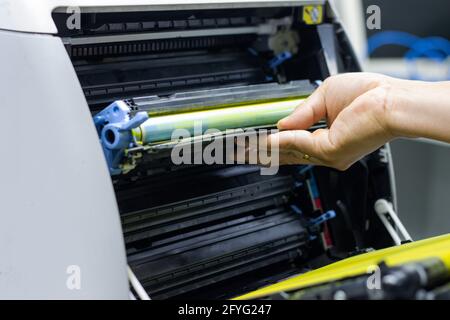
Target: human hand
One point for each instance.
(356, 107)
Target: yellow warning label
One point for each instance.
(313, 14)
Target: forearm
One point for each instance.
(419, 109)
(364, 111)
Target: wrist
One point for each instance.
(416, 109)
(396, 108)
(387, 108)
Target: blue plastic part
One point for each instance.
(314, 189)
(433, 48)
(114, 127)
(323, 218)
(279, 59)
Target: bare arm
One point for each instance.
(363, 111)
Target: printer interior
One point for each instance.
(217, 231)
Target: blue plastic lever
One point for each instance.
(114, 127)
(324, 217)
(279, 59)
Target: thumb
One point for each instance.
(312, 110)
(316, 144)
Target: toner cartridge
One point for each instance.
(119, 131)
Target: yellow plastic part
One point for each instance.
(438, 247)
(313, 14)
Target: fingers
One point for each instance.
(307, 113)
(290, 147)
(275, 149)
(334, 95)
(357, 130)
(301, 147)
(344, 101)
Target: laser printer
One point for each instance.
(83, 216)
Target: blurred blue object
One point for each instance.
(433, 48)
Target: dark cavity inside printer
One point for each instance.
(218, 231)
